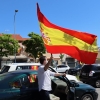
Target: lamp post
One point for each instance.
(15, 33)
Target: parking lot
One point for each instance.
(98, 90)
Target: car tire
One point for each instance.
(97, 84)
(87, 97)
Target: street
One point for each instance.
(98, 90)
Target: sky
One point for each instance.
(80, 15)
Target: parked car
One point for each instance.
(90, 74)
(75, 71)
(16, 85)
(62, 68)
(19, 66)
(70, 77)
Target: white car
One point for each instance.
(62, 68)
(21, 66)
(70, 77)
(18, 66)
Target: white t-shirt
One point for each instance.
(44, 80)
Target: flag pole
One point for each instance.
(52, 60)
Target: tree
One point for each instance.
(8, 45)
(61, 57)
(34, 45)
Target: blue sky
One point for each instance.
(81, 15)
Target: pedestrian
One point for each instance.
(44, 80)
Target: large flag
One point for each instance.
(79, 45)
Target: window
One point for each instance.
(98, 67)
(32, 67)
(94, 68)
(19, 68)
(88, 68)
(5, 69)
(20, 82)
(61, 66)
(16, 84)
(22, 67)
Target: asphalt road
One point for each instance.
(98, 90)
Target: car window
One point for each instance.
(88, 68)
(25, 81)
(19, 82)
(94, 68)
(98, 67)
(4, 81)
(16, 84)
(22, 67)
(5, 69)
(79, 66)
(32, 67)
(61, 66)
(19, 68)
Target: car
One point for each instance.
(90, 74)
(75, 71)
(19, 66)
(62, 68)
(16, 85)
(70, 77)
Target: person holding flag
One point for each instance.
(44, 80)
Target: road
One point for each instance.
(98, 90)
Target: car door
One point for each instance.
(19, 87)
(70, 90)
(29, 88)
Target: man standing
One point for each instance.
(44, 80)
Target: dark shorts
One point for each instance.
(44, 95)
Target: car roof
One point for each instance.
(26, 71)
(21, 64)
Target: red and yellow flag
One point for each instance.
(80, 45)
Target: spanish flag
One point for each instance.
(79, 45)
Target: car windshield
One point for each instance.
(79, 66)
(5, 69)
(88, 68)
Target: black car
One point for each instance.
(23, 85)
(90, 74)
(75, 71)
